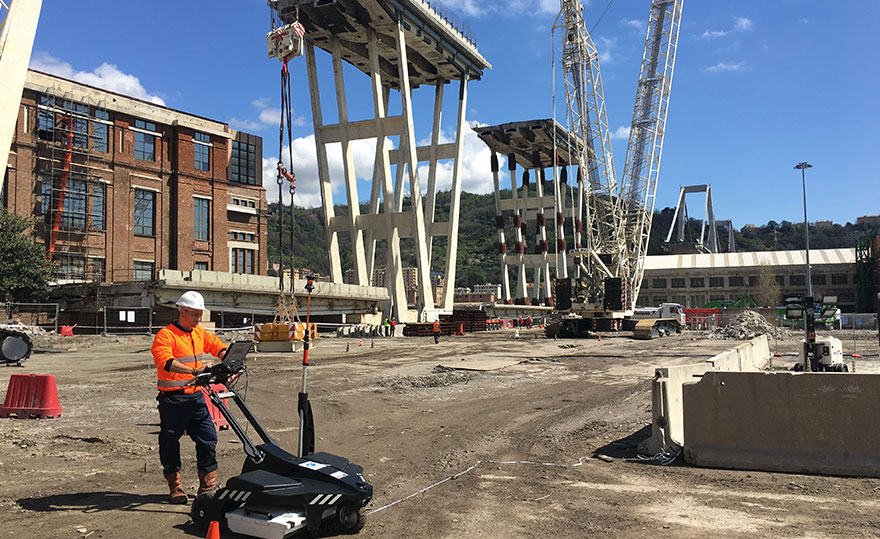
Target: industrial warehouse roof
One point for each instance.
(743, 260)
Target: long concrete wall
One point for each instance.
(667, 424)
(824, 423)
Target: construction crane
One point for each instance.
(617, 214)
(18, 26)
(585, 111)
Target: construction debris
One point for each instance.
(747, 325)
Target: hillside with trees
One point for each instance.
(478, 260)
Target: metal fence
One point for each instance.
(128, 320)
(42, 315)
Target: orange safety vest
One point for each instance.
(186, 347)
(436, 327)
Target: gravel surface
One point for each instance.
(582, 407)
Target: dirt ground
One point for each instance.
(568, 416)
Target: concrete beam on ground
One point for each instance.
(259, 293)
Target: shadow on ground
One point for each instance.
(626, 447)
(91, 502)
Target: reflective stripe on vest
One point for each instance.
(172, 384)
(189, 359)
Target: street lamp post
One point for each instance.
(803, 167)
(809, 309)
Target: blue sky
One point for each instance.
(759, 86)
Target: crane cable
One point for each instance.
(286, 124)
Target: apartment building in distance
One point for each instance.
(122, 188)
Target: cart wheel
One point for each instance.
(203, 512)
(350, 518)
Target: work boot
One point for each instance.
(175, 488)
(207, 481)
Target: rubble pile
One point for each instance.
(747, 325)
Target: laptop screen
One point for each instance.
(238, 350)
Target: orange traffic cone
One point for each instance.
(362, 342)
(213, 530)
(600, 338)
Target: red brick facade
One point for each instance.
(103, 226)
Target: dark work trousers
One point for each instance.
(437, 338)
(180, 412)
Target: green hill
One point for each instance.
(478, 260)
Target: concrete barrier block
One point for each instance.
(667, 400)
(822, 423)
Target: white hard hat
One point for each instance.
(192, 299)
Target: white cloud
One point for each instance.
(740, 24)
(804, 21)
(633, 23)
(510, 8)
(261, 102)
(244, 125)
(305, 166)
(270, 116)
(712, 34)
(106, 76)
(267, 115)
(476, 175)
(621, 133)
(605, 46)
(721, 67)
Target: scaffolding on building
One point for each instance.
(73, 138)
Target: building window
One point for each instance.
(101, 138)
(244, 203)
(717, 297)
(201, 218)
(144, 212)
(753, 280)
(95, 269)
(780, 279)
(143, 271)
(242, 236)
(839, 278)
(698, 282)
(81, 211)
(71, 268)
(678, 283)
(818, 278)
(658, 283)
(697, 301)
(144, 143)
(242, 260)
(658, 300)
(716, 282)
(736, 281)
(243, 163)
(75, 205)
(203, 266)
(797, 280)
(46, 124)
(98, 197)
(202, 151)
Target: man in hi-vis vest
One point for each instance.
(178, 353)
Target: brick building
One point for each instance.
(122, 188)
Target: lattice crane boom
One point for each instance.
(585, 109)
(642, 167)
